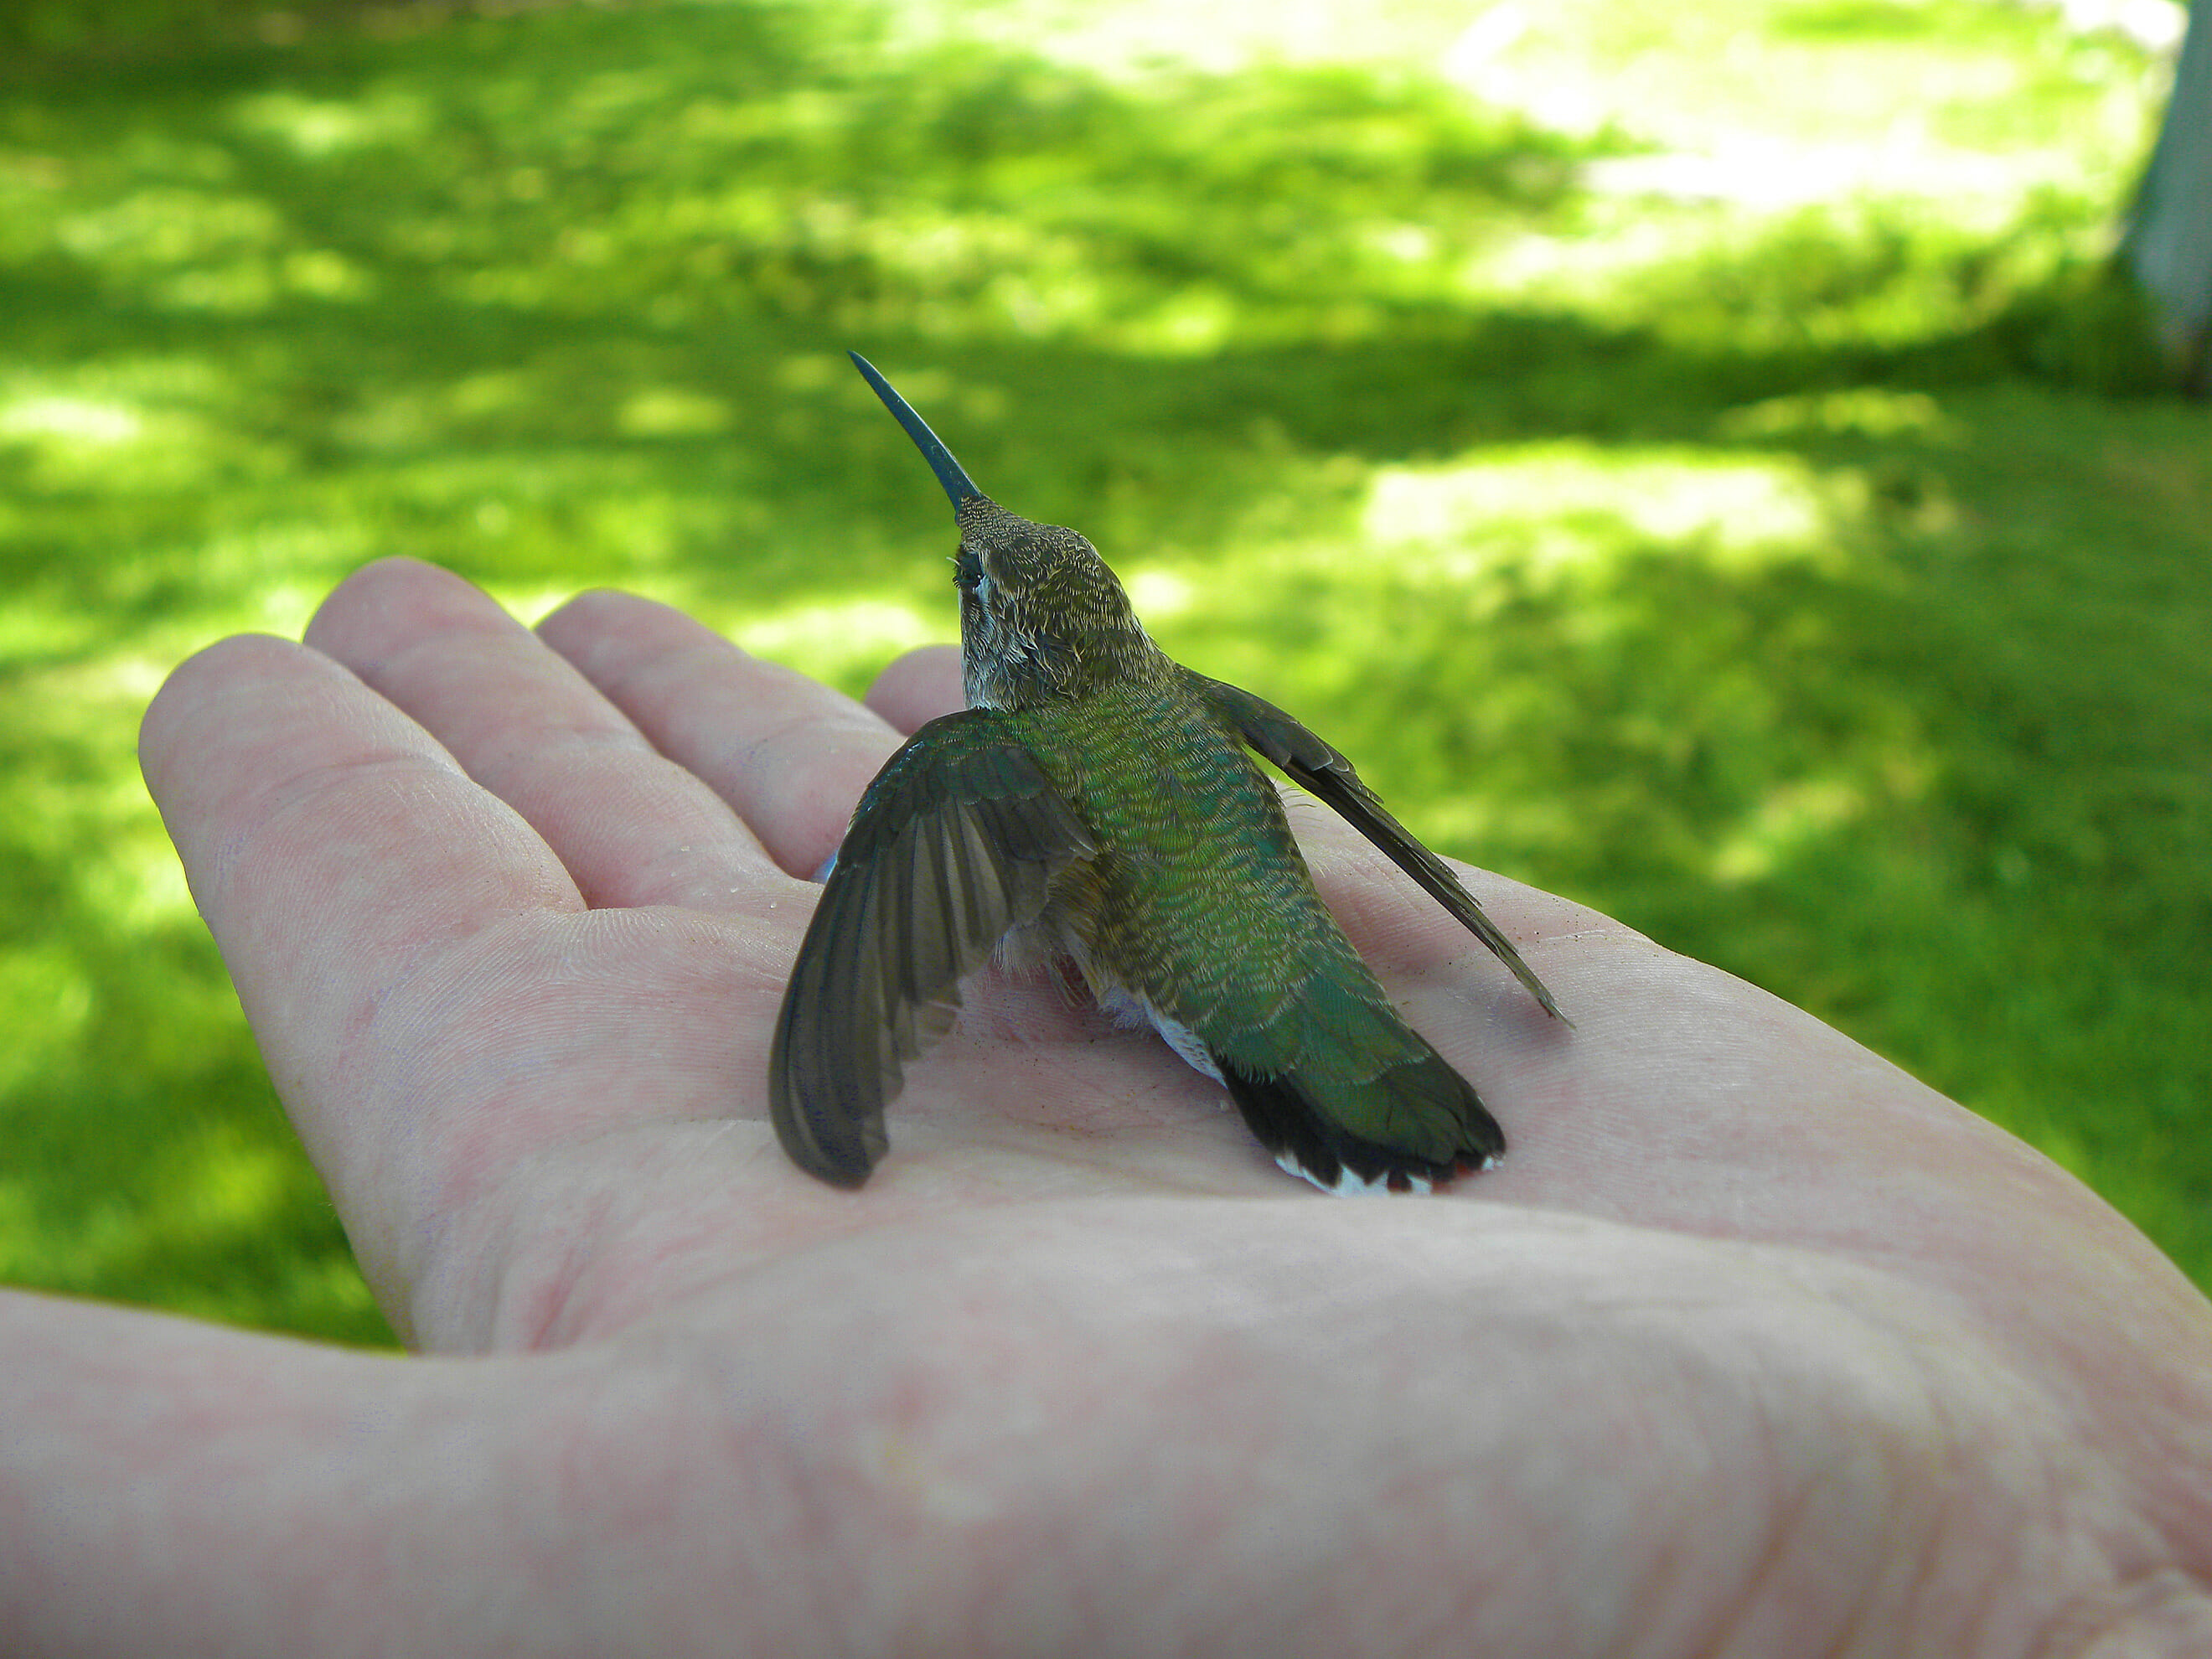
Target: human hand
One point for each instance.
(1752, 1346)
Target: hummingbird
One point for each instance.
(1098, 802)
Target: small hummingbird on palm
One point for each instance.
(1097, 801)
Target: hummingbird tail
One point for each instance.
(1308, 1138)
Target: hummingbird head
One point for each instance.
(1041, 616)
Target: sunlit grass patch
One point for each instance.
(1571, 502)
(846, 642)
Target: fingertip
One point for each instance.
(919, 687)
(387, 602)
(211, 675)
(213, 664)
(594, 611)
(610, 636)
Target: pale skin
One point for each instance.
(1754, 1345)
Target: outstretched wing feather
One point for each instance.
(957, 841)
(1327, 775)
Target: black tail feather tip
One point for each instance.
(1305, 1145)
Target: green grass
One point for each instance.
(1807, 581)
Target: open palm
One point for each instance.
(1752, 1346)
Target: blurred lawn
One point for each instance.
(1714, 438)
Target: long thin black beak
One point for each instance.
(950, 473)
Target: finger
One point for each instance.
(632, 826)
(335, 851)
(919, 687)
(436, 1006)
(789, 754)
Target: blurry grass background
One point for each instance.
(1687, 457)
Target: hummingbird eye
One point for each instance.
(967, 568)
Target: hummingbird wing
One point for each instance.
(1327, 775)
(956, 842)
